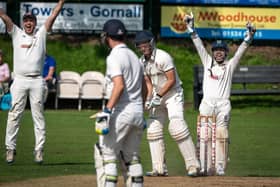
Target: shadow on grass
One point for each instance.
(256, 101)
(67, 164)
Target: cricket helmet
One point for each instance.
(219, 44)
(143, 37)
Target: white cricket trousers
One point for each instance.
(20, 89)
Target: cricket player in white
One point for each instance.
(29, 47)
(165, 99)
(121, 123)
(218, 72)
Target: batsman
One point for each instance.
(217, 81)
(165, 99)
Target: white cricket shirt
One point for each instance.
(29, 51)
(217, 79)
(156, 67)
(123, 61)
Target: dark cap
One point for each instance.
(114, 27)
(1, 52)
(29, 15)
(143, 36)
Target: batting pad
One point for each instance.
(188, 152)
(157, 149)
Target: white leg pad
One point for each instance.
(157, 149)
(187, 150)
(222, 147)
(98, 160)
(111, 173)
(157, 146)
(178, 129)
(135, 173)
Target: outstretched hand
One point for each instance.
(189, 19)
(250, 32)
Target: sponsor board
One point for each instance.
(221, 22)
(86, 18)
(226, 2)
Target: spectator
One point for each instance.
(4, 75)
(49, 75)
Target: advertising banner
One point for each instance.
(226, 2)
(221, 22)
(86, 18)
(2, 25)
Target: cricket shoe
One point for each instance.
(10, 156)
(38, 157)
(192, 172)
(157, 174)
(220, 171)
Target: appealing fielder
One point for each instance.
(29, 47)
(164, 99)
(218, 72)
(121, 122)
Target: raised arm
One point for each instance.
(7, 20)
(202, 52)
(52, 17)
(250, 32)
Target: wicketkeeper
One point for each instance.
(218, 73)
(165, 101)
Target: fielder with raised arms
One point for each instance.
(165, 100)
(218, 73)
(29, 47)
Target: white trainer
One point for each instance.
(220, 170)
(10, 156)
(192, 172)
(156, 174)
(38, 157)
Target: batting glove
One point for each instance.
(249, 35)
(102, 122)
(155, 101)
(148, 105)
(189, 19)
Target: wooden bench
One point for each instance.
(247, 81)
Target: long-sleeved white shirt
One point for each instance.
(217, 79)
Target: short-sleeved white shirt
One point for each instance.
(123, 61)
(29, 51)
(156, 67)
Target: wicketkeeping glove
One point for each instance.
(189, 19)
(249, 35)
(102, 122)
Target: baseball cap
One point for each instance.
(114, 27)
(1, 52)
(29, 15)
